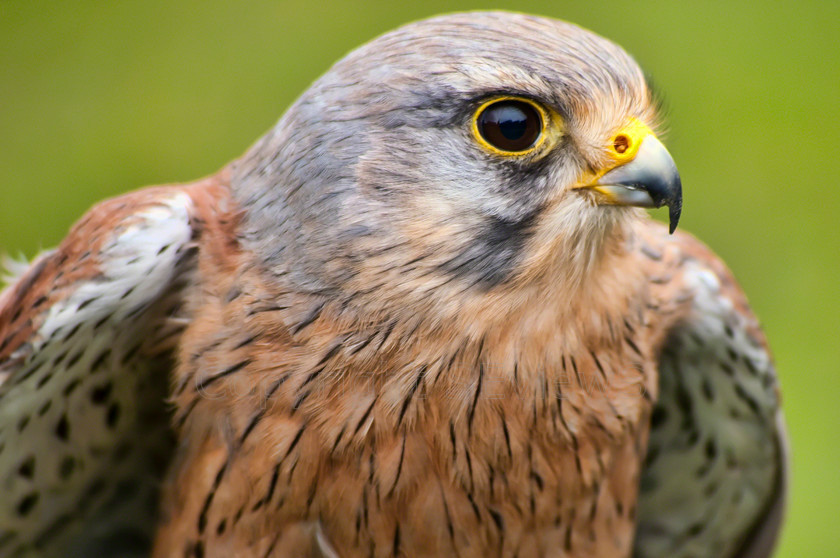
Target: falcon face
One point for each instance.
(422, 316)
(477, 148)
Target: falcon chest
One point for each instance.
(382, 445)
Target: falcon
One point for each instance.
(424, 315)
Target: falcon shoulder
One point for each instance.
(86, 339)
(713, 483)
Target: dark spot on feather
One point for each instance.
(632, 345)
(686, 405)
(251, 425)
(361, 345)
(74, 359)
(309, 319)
(226, 372)
(72, 332)
(598, 365)
(27, 468)
(708, 391)
(338, 438)
(99, 394)
(238, 515)
(474, 507)
(44, 379)
(693, 437)
(396, 547)
(253, 311)
(294, 442)
(469, 469)
(733, 356)
(537, 479)
(246, 341)
(329, 354)
(101, 321)
(575, 369)
(471, 415)
(272, 485)
(185, 414)
(410, 394)
(748, 399)
(399, 468)
(26, 503)
(220, 528)
(710, 489)
(507, 438)
(711, 449)
(233, 294)
(695, 530)
(62, 428)
(71, 387)
(364, 417)
(299, 401)
(45, 407)
(112, 415)
(452, 439)
(130, 354)
(202, 516)
(497, 519)
(22, 423)
(387, 333)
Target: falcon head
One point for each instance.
(462, 155)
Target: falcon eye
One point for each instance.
(510, 126)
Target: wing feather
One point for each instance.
(714, 478)
(85, 358)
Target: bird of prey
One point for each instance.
(425, 315)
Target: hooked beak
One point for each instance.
(645, 176)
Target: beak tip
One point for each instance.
(674, 212)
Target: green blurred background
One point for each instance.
(97, 98)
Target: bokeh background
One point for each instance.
(97, 98)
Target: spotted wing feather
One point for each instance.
(713, 484)
(85, 354)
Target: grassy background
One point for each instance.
(100, 97)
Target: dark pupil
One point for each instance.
(510, 125)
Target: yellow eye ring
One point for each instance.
(511, 126)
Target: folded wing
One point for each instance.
(713, 484)
(86, 339)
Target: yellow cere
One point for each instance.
(550, 121)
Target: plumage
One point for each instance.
(373, 335)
